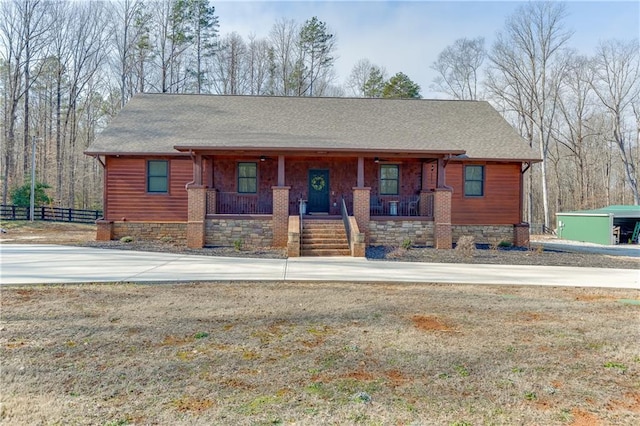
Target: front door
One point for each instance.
(318, 191)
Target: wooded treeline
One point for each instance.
(66, 68)
(580, 111)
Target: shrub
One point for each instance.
(466, 245)
(537, 250)
(505, 244)
(126, 239)
(494, 243)
(406, 244)
(396, 253)
(237, 244)
(21, 195)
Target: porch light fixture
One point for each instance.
(376, 160)
(263, 158)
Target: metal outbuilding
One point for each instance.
(608, 225)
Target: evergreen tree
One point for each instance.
(401, 86)
(202, 30)
(375, 83)
(21, 195)
(316, 45)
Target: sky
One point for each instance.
(407, 36)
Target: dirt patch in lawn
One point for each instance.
(318, 353)
(429, 323)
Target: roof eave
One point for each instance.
(137, 154)
(323, 150)
(498, 159)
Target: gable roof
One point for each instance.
(169, 123)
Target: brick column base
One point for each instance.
(197, 207)
(195, 234)
(358, 246)
(442, 236)
(280, 215)
(442, 218)
(361, 210)
(521, 235)
(293, 241)
(104, 230)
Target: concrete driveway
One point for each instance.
(40, 264)
(629, 250)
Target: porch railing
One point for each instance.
(235, 203)
(385, 205)
(390, 205)
(345, 220)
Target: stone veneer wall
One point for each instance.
(484, 234)
(253, 232)
(149, 231)
(394, 232)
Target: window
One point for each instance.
(474, 181)
(248, 178)
(157, 176)
(389, 179)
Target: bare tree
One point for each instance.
(258, 65)
(23, 32)
(520, 74)
(127, 34)
(88, 40)
(229, 67)
(616, 82)
(12, 52)
(283, 38)
(575, 129)
(458, 66)
(360, 78)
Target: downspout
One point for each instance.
(186, 185)
(104, 185)
(442, 164)
(521, 206)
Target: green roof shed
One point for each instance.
(608, 225)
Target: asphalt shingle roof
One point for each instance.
(158, 123)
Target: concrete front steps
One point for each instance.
(324, 237)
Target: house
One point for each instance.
(209, 170)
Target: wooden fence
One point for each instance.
(54, 214)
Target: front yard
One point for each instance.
(319, 353)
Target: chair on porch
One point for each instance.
(413, 207)
(375, 206)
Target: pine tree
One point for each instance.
(401, 86)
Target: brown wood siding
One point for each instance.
(500, 204)
(127, 195)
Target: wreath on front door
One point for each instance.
(318, 183)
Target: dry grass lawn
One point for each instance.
(319, 353)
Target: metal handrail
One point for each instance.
(345, 220)
(300, 212)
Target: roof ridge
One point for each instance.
(307, 97)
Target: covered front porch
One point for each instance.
(273, 194)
